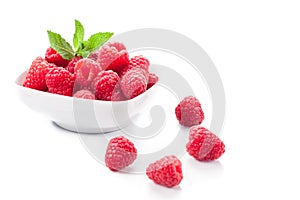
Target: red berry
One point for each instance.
(189, 112)
(94, 55)
(119, 46)
(85, 94)
(167, 171)
(117, 94)
(35, 77)
(85, 71)
(203, 145)
(53, 57)
(113, 56)
(106, 84)
(133, 83)
(70, 67)
(60, 81)
(153, 79)
(137, 62)
(93, 83)
(120, 153)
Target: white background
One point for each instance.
(255, 46)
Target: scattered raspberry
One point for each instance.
(35, 77)
(85, 94)
(105, 85)
(133, 83)
(166, 171)
(53, 57)
(60, 81)
(113, 56)
(70, 67)
(120, 153)
(189, 112)
(203, 145)
(153, 79)
(137, 62)
(85, 71)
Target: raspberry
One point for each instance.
(85, 94)
(94, 55)
(167, 171)
(70, 67)
(53, 57)
(85, 71)
(153, 79)
(117, 94)
(189, 112)
(137, 62)
(93, 83)
(133, 83)
(105, 85)
(120, 153)
(35, 77)
(113, 56)
(203, 145)
(119, 46)
(60, 81)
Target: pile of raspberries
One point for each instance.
(107, 74)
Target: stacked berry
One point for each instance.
(92, 70)
(108, 74)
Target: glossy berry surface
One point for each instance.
(203, 145)
(167, 171)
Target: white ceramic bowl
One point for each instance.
(82, 115)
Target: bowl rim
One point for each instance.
(22, 76)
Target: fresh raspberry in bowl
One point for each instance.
(80, 114)
(113, 56)
(53, 57)
(79, 86)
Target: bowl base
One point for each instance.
(86, 130)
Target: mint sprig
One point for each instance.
(78, 35)
(94, 42)
(82, 47)
(61, 45)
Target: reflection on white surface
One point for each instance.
(209, 171)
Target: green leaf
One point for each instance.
(94, 42)
(85, 54)
(78, 35)
(76, 42)
(60, 45)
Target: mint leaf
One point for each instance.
(94, 42)
(78, 35)
(82, 48)
(60, 45)
(85, 54)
